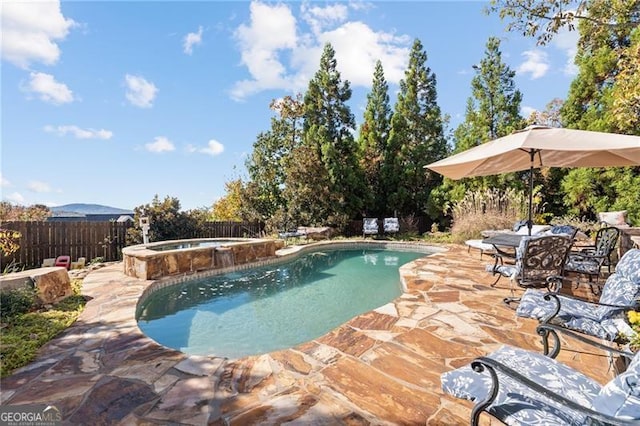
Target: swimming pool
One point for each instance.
(272, 307)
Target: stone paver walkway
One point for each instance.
(382, 367)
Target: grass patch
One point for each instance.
(24, 333)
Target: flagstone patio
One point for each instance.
(382, 367)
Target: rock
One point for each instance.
(52, 284)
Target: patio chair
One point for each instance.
(589, 260)
(63, 261)
(51, 261)
(369, 226)
(391, 225)
(79, 264)
(578, 318)
(539, 262)
(521, 387)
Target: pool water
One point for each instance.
(275, 307)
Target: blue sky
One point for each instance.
(114, 102)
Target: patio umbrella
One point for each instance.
(540, 146)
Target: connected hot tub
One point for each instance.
(182, 257)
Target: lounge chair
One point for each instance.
(606, 319)
(521, 387)
(483, 247)
(540, 261)
(369, 226)
(391, 225)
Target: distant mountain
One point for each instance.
(82, 209)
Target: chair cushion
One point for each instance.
(561, 229)
(504, 270)
(515, 403)
(629, 266)
(578, 315)
(582, 264)
(621, 396)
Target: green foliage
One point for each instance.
(166, 221)
(15, 302)
(625, 93)
(543, 19)
(589, 191)
(229, 207)
(25, 332)
(262, 195)
(416, 138)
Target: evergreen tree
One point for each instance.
(416, 138)
(492, 111)
(372, 142)
(333, 194)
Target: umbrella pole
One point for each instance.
(532, 153)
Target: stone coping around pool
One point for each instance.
(292, 252)
(147, 249)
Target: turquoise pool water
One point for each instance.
(265, 309)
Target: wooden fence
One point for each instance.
(231, 230)
(41, 240)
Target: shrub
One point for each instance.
(15, 302)
(486, 209)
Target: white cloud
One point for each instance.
(79, 133)
(213, 148)
(140, 92)
(272, 36)
(537, 63)
(160, 144)
(272, 29)
(191, 40)
(30, 30)
(15, 198)
(358, 47)
(324, 17)
(48, 89)
(38, 186)
(4, 182)
(567, 41)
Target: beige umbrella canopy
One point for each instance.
(539, 146)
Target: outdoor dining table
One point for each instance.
(508, 240)
(502, 240)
